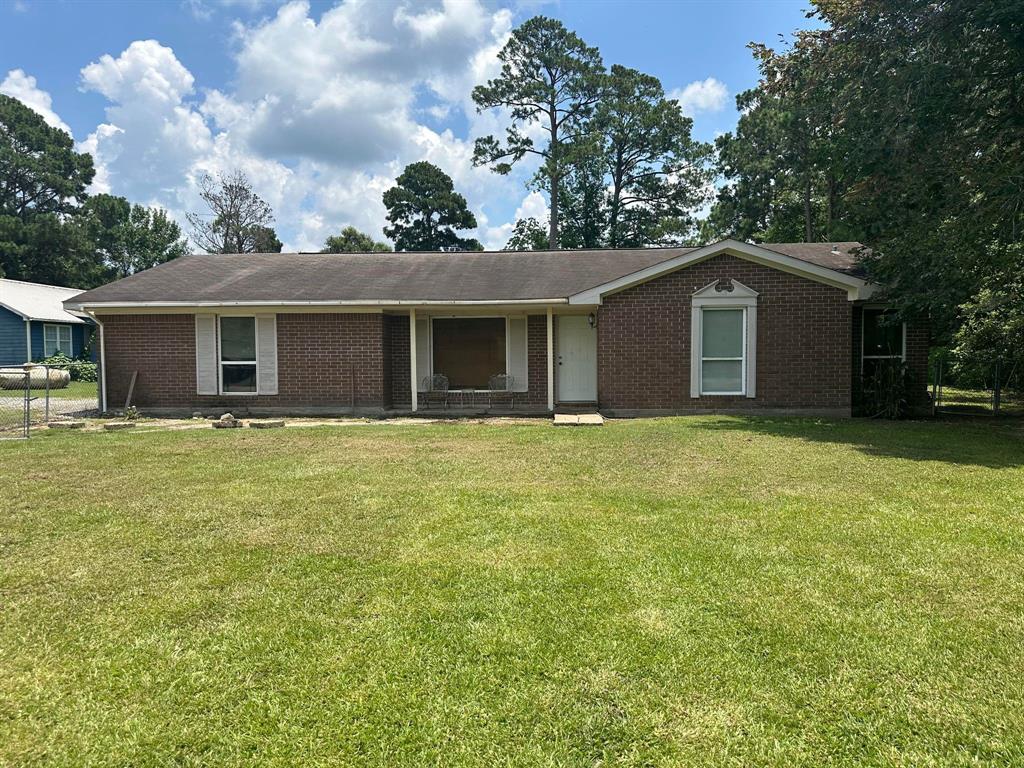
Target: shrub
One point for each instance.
(884, 393)
(80, 370)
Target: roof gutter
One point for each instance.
(90, 307)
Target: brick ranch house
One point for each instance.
(728, 327)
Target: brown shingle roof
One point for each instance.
(460, 276)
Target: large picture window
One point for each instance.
(723, 340)
(238, 354)
(883, 341)
(469, 350)
(57, 340)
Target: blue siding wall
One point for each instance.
(12, 338)
(79, 335)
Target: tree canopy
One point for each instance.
(528, 235)
(351, 240)
(425, 212)
(43, 183)
(900, 123)
(549, 78)
(130, 238)
(658, 174)
(238, 220)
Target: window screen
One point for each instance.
(57, 339)
(469, 350)
(722, 348)
(238, 354)
(882, 336)
(883, 342)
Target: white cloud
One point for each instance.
(23, 87)
(153, 136)
(707, 95)
(322, 115)
(533, 206)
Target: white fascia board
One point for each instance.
(70, 320)
(381, 303)
(854, 286)
(12, 309)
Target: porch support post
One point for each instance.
(551, 360)
(412, 360)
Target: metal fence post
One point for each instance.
(46, 413)
(997, 391)
(28, 404)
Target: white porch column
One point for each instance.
(551, 360)
(414, 384)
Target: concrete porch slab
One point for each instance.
(578, 420)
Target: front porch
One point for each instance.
(466, 360)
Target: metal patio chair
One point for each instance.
(501, 384)
(435, 388)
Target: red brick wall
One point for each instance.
(396, 337)
(536, 362)
(803, 342)
(324, 361)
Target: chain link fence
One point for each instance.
(36, 394)
(975, 386)
(15, 393)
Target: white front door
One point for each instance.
(577, 360)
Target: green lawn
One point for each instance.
(705, 591)
(75, 390)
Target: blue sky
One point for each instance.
(323, 103)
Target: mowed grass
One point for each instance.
(75, 390)
(693, 591)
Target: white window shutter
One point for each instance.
(266, 354)
(206, 354)
(517, 354)
(752, 352)
(695, 337)
(422, 350)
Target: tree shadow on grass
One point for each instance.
(983, 442)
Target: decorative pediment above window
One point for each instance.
(726, 290)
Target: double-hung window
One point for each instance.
(238, 355)
(723, 340)
(883, 342)
(57, 340)
(723, 343)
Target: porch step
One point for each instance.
(578, 420)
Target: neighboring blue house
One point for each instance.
(34, 324)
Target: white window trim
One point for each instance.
(742, 358)
(57, 329)
(507, 318)
(709, 297)
(254, 362)
(902, 356)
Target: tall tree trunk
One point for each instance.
(553, 219)
(553, 171)
(831, 209)
(808, 234)
(613, 213)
